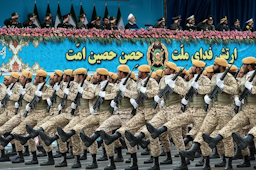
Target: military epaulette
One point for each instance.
(247, 27)
(188, 25)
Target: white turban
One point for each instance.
(130, 16)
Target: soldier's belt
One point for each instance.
(103, 109)
(10, 103)
(41, 106)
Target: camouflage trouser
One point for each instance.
(163, 116)
(194, 116)
(219, 115)
(89, 124)
(139, 120)
(120, 118)
(32, 119)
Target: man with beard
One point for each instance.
(160, 24)
(176, 24)
(80, 24)
(236, 26)
(220, 111)
(65, 23)
(47, 22)
(244, 117)
(249, 25)
(207, 24)
(13, 21)
(190, 26)
(29, 23)
(105, 22)
(6, 81)
(112, 24)
(132, 22)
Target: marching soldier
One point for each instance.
(242, 118)
(29, 23)
(6, 81)
(209, 71)
(160, 23)
(194, 114)
(80, 24)
(13, 21)
(190, 26)
(236, 26)
(207, 24)
(47, 22)
(223, 25)
(176, 24)
(220, 112)
(249, 25)
(65, 23)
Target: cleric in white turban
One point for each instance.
(132, 22)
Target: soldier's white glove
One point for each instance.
(122, 88)
(171, 84)
(184, 101)
(133, 102)
(113, 104)
(248, 85)
(237, 101)
(9, 92)
(207, 99)
(66, 91)
(1, 105)
(143, 89)
(22, 91)
(60, 107)
(92, 111)
(157, 99)
(49, 102)
(38, 93)
(162, 103)
(80, 89)
(102, 94)
(17, 105)
(73, 105)
(28, 107)
(220, 84)
(56, 87)
(195, 85)
(115, 108)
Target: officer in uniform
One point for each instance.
(220, 112)
(176, 24)
(223, 25)
(105, 22)
(194, 114)
(112, 24)
(236, 26)
(80, 24)
(190, 26)
(160, 24)
(47, 22)
(29, 23)
(249, 25)
(207, 24)
(13, 21)
(132, 22)
(96, 23)
(65, 23)
(244, 117)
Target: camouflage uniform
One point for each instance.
(144, 113)
(97, 118)
(169, 111)
(17, 119)
(244, 117)
(35, 115)
(123, 114)
(2, 110)
(195, 114)
(220, 113)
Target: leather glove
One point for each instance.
(80, 89)
(38, 93)
(143, 89)
(22, 91)
(157, 99)
(66, 91)
(73, 105)
(133, 102)
(248, 85)
(184, 101)
(17, 105)
(207, 99)
(49, 102)
(102, 94)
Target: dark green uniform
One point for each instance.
(111, 28)
(81, 25)
(248, 28)
(175, 26)
(205, 27)
(65, 25)
(27, 24)
(222, 27)
(9, 23)
(190, 27)
(45, 25)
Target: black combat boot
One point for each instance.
(168, 159)
(242, 143)
(111, 164)
(88, 140)
(222, 163)
(94, 164)
(34, 159)
(77, 163)
(33, 133)
(63, 162)
(229, 164)
(190, 154)
(212, 142)
(84, 155)
(48, 139)
(50, 160)
(156, 165)
(63, 135)
(104, 156)
(245, 163)
(119, 157)
(155, 132)
(183, 165)
(108, 139)
(134, 164)
(134, 140)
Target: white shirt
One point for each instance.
(102, 84)
(39, 85)
(219, 75)
(143, 81)
(122, 80)
(249, 74)
(167, 78)
(195, 76)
